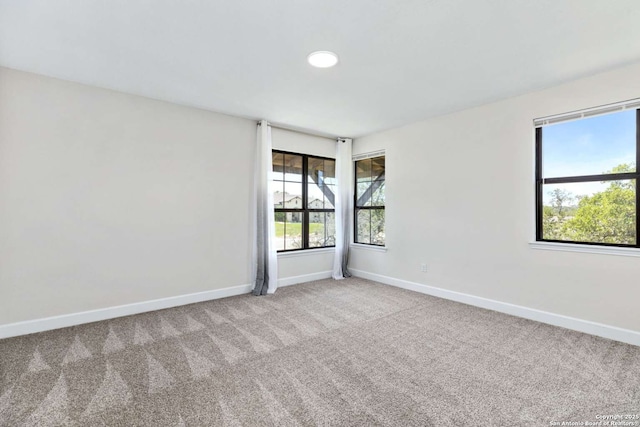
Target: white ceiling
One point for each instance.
(401, 60)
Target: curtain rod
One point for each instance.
(321, 135)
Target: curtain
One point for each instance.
(343, 200)
(265, 258)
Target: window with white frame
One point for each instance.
(586, 176)
(304, 197)
(369, 203)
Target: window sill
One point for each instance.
(368, 247)
(306, 252)
(590, 249)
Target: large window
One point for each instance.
(304, 188)
(369, 201)
(586, 175)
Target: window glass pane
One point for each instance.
(363, 226)
(330, 172)
(315, 182)
(363, 170)
(278, 194)
(370, 190)
(280, 225)
(330, 228)
(320, 195)
(316, 171)
(292, 168)
(363, 196)
(315, 197)
(589, 146)
(293, 195)
(322, 229)
(293, 230)
(278, 166)
(317, 232)
(377, 168)
(329, 196)
(377, 197)
(377, 226)
(593, 212)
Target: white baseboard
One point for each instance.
(611, 332)
(65, 320)
(294, 280)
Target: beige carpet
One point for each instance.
(344, 353)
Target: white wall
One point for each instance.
(460, 197)
(308, 265)
(297, 142)
(109, 199)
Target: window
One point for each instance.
(369, 201)
(586, 175)
(304, 188)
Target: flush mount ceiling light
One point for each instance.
(322, 59)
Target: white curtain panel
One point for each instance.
(343, 200)
(265, 257)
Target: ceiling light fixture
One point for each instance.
(322, 59)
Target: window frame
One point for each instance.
(355, 202)
(540, 181)
(305, 211)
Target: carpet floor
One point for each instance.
(348, 353)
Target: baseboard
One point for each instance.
(63, 321)
(66, 320)
(294, 280)
(606, 331)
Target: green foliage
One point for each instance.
(560, 201)
(295, 228)
(604, 217)
(370, 226)
(623, 168)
